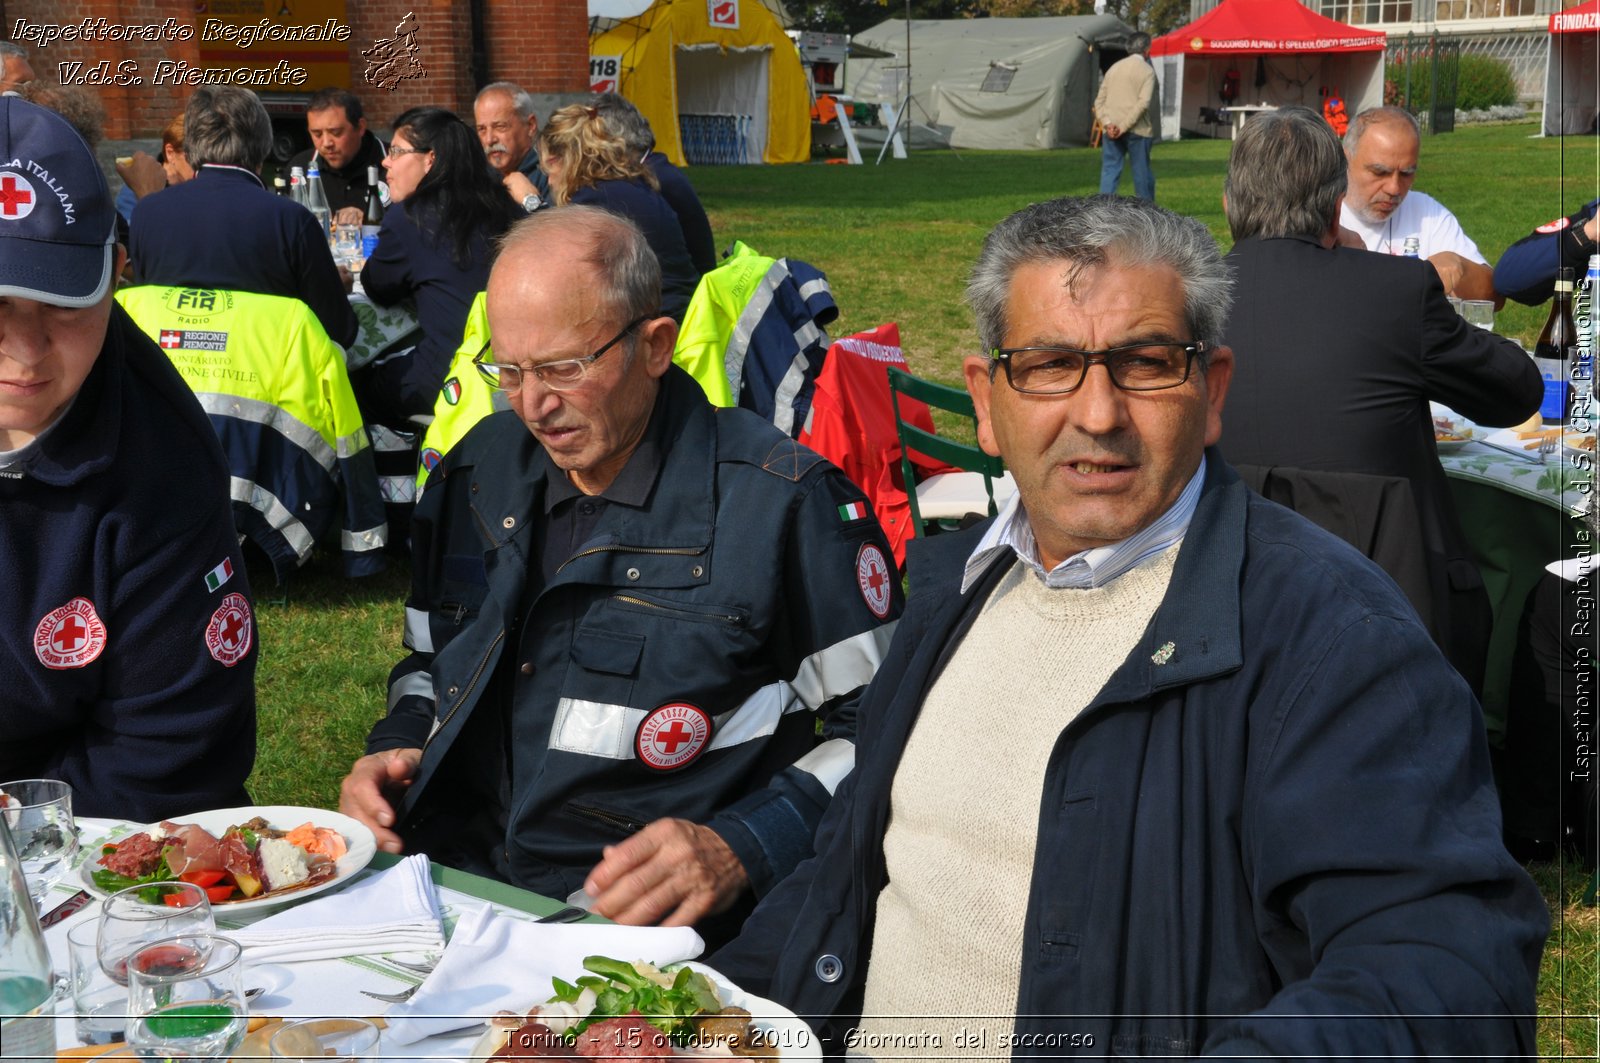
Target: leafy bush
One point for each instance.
(1484, 82)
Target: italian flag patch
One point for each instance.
(852, 511)
(219, 575)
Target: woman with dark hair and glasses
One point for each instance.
(589, 163)
(434, 247)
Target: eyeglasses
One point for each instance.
(563, 375)
(393, 152)
(1061, 370)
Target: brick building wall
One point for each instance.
(541, 44)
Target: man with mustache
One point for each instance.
(1383, 210)
(630, 612)
(507, 128)
(1153, 767)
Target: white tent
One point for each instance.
(992, 82)
(1571, 83)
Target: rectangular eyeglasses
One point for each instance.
(562, 375)
(1062, 370)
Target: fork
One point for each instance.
(394, 998)
(1547, 447)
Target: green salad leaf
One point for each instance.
(111, 882)
(623, 987)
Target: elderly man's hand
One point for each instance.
(519, 186)
(1112, 131)
(349, 216)
(142, 174)
(374, 783)
(673, 873)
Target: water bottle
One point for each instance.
(28, 1030)
(297, 185)
(1413, 247)
(317, 201)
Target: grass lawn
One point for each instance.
(896, 242)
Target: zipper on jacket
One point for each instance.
(687, 614)
(615, 820)
(685, 551)
(470, 684)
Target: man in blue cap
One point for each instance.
(127, 637)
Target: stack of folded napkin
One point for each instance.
(393, 911)
(497, 962)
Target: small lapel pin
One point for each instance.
(1164, 654)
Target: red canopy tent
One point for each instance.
(1298, 57)
(1571, 92)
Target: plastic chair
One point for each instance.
(951, 495)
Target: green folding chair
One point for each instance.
(944, 496)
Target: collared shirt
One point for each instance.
(571, 515)
(1094, 567)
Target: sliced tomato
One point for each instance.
(219, 893)
(173, 899)
(203, 879)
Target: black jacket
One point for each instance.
(1336, 355)
(225, 230)
(116, 520)
(346, 186)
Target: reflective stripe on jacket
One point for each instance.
(279, 398)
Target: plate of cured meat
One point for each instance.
(245, 858)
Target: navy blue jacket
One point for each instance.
(409, 265)
(1287, 813)
(680, 196)
(655, 218)
(736, 588)
(530, 168)
(115, 521)
(1527, 271)
(225, 230)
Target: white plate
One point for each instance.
(1450, 446)
(359, 842)
(1506, 439)
(783, 1029)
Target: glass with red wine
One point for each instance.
(135, 917)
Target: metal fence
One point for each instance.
(1421, 74)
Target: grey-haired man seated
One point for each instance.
(1153, 766)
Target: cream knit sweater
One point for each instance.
(964, 809)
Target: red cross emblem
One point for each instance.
(16, 196)
(671, 736)
(230, 633)
(171, 338)
(69, 637)
(872, 576)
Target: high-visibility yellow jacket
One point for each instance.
(279, 397)
(753, 335)
(465, 398)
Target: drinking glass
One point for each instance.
(346, 245)
(99, 1004)
(39, 813)
(130, 920)
(319, 1040)
(186, 998)
(1479, 312)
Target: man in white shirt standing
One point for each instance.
(1382, 209)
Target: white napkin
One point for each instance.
(495, 963)
(395, 911)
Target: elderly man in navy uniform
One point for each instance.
(630, 611)
(127, 640)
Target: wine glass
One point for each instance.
(1478, 312)
(325, 1041)
(39, 813)
(186, 998)
(139, 915)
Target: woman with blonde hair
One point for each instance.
(587, 163)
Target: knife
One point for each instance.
(66, 908)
